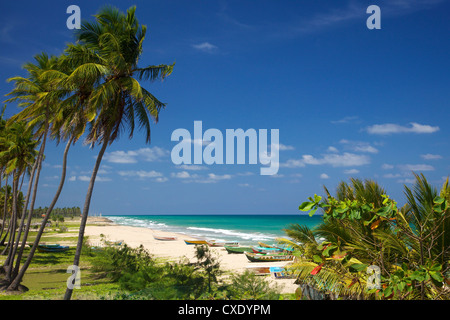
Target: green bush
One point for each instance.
(249, 286)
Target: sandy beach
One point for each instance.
(173, 250)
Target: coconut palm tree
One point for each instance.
(19, 154)
(40, 98)
(114, 42)
(54, 76)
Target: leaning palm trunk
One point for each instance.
(2, 242)
(84, 216)
(9, 260)
(37, 164)
(5, 209)
(18, 278)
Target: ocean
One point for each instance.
(245, 229)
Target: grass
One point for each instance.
(46, 278)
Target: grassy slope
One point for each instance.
(47, 276)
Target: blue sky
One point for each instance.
(348, 101)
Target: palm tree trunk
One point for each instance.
(18, 278)
(36, 168)
(5, 209)
(84, 216)
(9, 260)
(2, 242)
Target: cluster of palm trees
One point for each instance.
(367, 248)
(92, 90)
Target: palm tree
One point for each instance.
(19, 154)
(41, 98)
(425, 227)
(114, 42)
(54, 75)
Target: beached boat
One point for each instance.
(281, 273)
(257, 257)
(265, 245)
(280, 247)
(190, 242)
(260, 271)
(237, 249)
(164, 238)
(52, 248)
(256, 249)
(222, 244)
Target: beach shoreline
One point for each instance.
(133, 236)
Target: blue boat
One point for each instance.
(52, 248)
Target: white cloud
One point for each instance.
(335, 160)
(161, 179)
(332, 149)
(391, 128)
(152, 154)
(183, 175)
(213, 176)
(140, 174)
(386, 166)
(192, 167)
(338, 160)
(72, 178)
(292, 163)
(416, 167)
(205, 47)
(97, 179)
(324, 176)
(351, 171)
(121, 157)
(132, 156)
(430, 156)
(392, 176)
(346, 120)
(406, 180)
(195, 178)
(359, 146)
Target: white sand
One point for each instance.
(175, 250)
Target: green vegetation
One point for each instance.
(141, 277)
(60, 212)
(363, 232)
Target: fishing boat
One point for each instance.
(260, 271)
(52, 248)
(257, 257)
(265, 245)
(191, 242)
(222, 243)
(257, 249)
(280, 247)
(164, 238)
(237, 249)
(280, 273)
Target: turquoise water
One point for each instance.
(241, 228)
